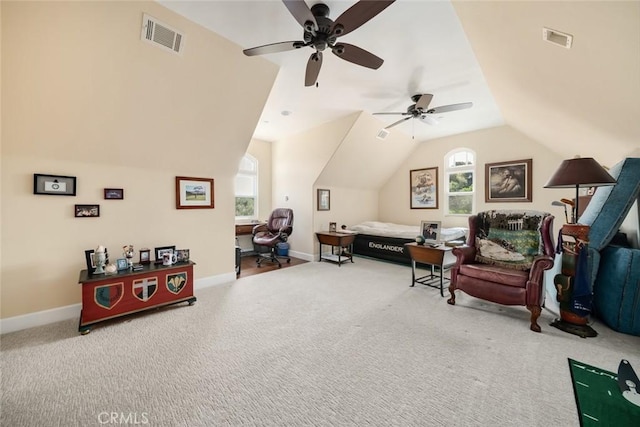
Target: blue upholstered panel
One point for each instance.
(610, 205)
(616, 296)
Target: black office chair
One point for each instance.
(278, 228)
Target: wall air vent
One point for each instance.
(556, 37)
(161, 35)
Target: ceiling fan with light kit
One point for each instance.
(321, 33)
(420, 110)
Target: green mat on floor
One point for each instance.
(598, 397)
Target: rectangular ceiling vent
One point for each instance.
(382, 134)
(161, 35)
(557, 37)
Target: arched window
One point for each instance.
(460, 178)
(246, 188)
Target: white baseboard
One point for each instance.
(45, 317)
(301, 255)
(39, 318)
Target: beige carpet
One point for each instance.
(311, 345)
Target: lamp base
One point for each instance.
(583, 331)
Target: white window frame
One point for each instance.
(253, 175)
(448, 170)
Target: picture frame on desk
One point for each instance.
(122, 264)
(145, 256)
(159, 251)
(89, 256)
(430, 230)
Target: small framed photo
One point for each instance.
(114, 193)
(332, 227)
(508, 181)
(54, 185)
(182, 255)
(89, 256)
(423, 188)
(90, 260)
(194, 193)
(430, 230)
(162, 250)
(145, 256)
(87, 211)
(324, 200)
(122, 264)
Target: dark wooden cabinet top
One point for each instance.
(85, 277)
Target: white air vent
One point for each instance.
(382, 134)
(161, 35)
(556, 37)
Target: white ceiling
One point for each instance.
(579, 101)
(422, 43)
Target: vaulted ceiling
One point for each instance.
(579, 101)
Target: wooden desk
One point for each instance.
(244, 229)
(432, 256)
(107, 296)
(336, 240)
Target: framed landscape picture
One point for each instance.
(423, 188)
(508, 181)
(194, 193)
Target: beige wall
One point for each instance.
(490, 145)
(82, 95)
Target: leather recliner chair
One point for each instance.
(278, 228)
(504, 261)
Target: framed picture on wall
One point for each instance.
(508, 181)
(54, 185)
(423, 188)
(324, 200)
(194, 193)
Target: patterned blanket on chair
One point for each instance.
(509, 238)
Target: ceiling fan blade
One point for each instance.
(357, 55)
(273, 48)
(424, 101)
(398, 122)
(357, 15)
(313, 68)
(428, 120)
(452, 107)
(395, 114)
(302, 13)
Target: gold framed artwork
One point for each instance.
(508, 181)
(423, 188)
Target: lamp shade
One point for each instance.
(580, 172)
